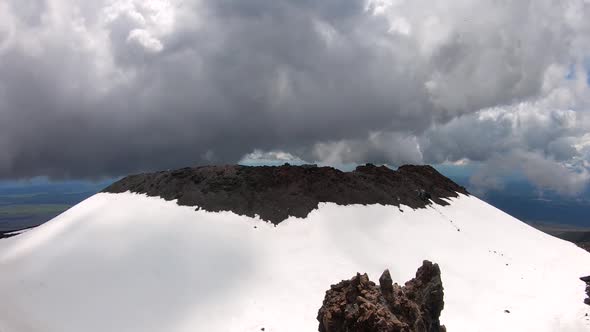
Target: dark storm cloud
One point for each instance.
(112, 87)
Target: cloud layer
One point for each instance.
(108, 87)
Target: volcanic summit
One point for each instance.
(275, 193)
(237, 248)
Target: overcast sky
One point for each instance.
(108, 87)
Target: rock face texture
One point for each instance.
(275, 193)
(358, 305)
(587, 281)
(6, 235)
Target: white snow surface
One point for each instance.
(128, 262)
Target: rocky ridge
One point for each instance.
(587, 281)
(9, 234)
(275, 193)
(359, 305)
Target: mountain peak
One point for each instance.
(275, 193)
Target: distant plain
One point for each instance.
(29, 204)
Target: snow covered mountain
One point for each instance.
(128, 260)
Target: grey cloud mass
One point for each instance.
(109, 87)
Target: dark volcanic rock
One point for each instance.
(358, 305)
(587, 281)
(275, 193)
(6, 235)
(13, 233)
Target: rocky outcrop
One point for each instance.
(587, 281)
(359, 305)
(12, 233)
(6, 235)
(275, 193)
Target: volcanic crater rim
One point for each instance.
(275, 193)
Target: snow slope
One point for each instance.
(128, 262)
